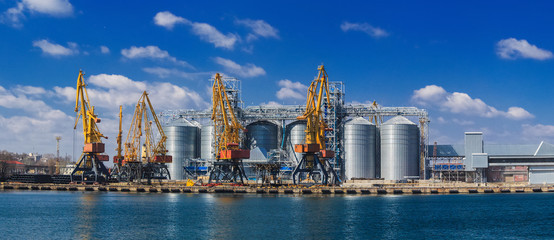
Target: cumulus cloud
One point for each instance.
(56, 50)
(111, 90)
(55, 8)
(538, 130)
(456, 102)
(29, 90)
(291, 90)
(259, 28)
(512, 48)
(104, 50)
(248, 70)
(168, 20)
(210, 34)
(204, 31)
(33, 121)
(151, 52)
(372, 31)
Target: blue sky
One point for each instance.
(474, 66)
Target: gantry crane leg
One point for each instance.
(312, 165)
(227, 172)
(89, 169)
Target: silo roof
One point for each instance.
(359, 121)
(398, 120)
(181, 122)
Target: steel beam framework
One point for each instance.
(335, 115)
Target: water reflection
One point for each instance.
(86, 216)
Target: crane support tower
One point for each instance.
(90, 167)
(144, 160)
(118, 159)
(228, 165)
(314, 151)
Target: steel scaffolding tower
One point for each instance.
(335, 115)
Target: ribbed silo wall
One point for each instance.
(181, 144)
(399, 149)
(262, 134)
(359, 149)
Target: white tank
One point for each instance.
(296, 134)
(207, 144)
(359, 149)
(181, 144)
(399, 149)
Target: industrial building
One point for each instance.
(475, 161)
(364, 149)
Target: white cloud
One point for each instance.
(109, 91)
(55, 8)
(104, 50)
(54, 49)
(259, 28)
(429, 94)
(372, 31)
(210, 34)
(168, 20)
(462, 103)
(35, 120)
(248, 70)
(291, 90)
(29, 90)
(151, 52)
(13, 16)
(204, 31)
(538, 130)
(512, 48)
(518, 113)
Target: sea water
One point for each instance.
(109, 215)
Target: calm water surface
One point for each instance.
(94, 215)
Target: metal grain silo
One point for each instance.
(181, 144)
(262, 134)
(359, 149)
(399, 149)
(296, 134)
(207, 144)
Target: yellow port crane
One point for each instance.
(315, 154)
(118, 159)
(145, 160)
(228, 166)
(90, 167)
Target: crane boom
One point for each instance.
(86, 113)
(141, 125)
(90, 167)
(118, 158)
(226, 126)
(314, 161)
(315, 124)
(228, 167)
